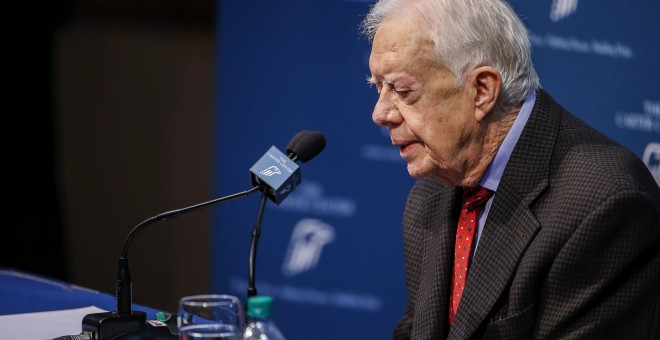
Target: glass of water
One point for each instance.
(206, 317)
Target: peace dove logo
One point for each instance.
(271, 170)
(308, 239)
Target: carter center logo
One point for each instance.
(562, 9)
(307, 241)
(271, 170)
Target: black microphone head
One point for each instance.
(306, 145)
(295, 140)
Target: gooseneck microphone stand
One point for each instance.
(256, 232)
(111, 324)
(104, 326)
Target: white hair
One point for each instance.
(468, 34)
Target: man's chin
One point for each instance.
(417, 172)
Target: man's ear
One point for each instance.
(487, 82)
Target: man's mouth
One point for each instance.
(405, 146)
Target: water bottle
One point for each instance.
(260, 325)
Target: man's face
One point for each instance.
(429, 118)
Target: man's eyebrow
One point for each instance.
(372, 80)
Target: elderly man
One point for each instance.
(525, 222)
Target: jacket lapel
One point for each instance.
(511, 225)
(504, 240)
(435, 280)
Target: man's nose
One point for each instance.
(385, 112)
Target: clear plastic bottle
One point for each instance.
(260, 325)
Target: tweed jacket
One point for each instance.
(570, 249)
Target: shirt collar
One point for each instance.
(493, 175)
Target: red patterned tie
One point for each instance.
(474, 199)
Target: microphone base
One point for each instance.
(108, 325)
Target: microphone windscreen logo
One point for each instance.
(271, 170)
(276, 173)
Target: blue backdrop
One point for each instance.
(331, 255)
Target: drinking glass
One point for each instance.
(207, 317)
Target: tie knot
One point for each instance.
(475, 198)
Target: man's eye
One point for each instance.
(403, 92)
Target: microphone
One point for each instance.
(114, 325)
(304, 146)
